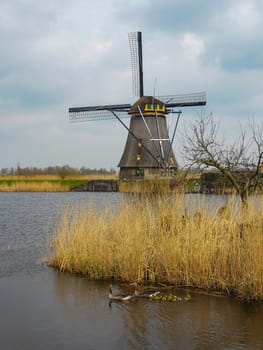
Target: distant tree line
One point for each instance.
(62, 171)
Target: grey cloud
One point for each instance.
(171, 15)
(209, 19)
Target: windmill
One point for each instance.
(148, 150)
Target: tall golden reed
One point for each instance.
(161, 240)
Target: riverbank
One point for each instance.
(163, 241)
(111, 183)
(95, 183)
(47, 183)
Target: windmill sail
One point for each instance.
(184, 100)
(91, 116)
(135, 40)
(93, 113)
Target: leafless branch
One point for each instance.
(201, 147)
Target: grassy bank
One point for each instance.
(38, 185)
(154, 240)
(51, 183)
(44, 183)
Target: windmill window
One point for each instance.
(139, 172)
(138, 157)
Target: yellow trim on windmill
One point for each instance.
(152, 108)
(160, 108)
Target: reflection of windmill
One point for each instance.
(148, 150)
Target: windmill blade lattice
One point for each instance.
(135, 40)
(88, 116)
(184, 100)
(94, 113)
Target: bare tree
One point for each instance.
(239, 161)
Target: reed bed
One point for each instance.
(153, 240)
(38, 186)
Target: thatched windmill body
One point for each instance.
(148, 151)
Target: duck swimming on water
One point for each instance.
(120, 297)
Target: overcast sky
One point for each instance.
(61, 53)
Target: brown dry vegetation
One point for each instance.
(56, 177)
(45, 183)
(23, 186)
(154, 240)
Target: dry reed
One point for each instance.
(154, 240)
(49, 177)
(33, 187)
(46, 183)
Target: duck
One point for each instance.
(120, 297)
(143, 295)
(187, 297)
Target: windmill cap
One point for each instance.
(148, 105)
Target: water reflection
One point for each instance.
(205, 322)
